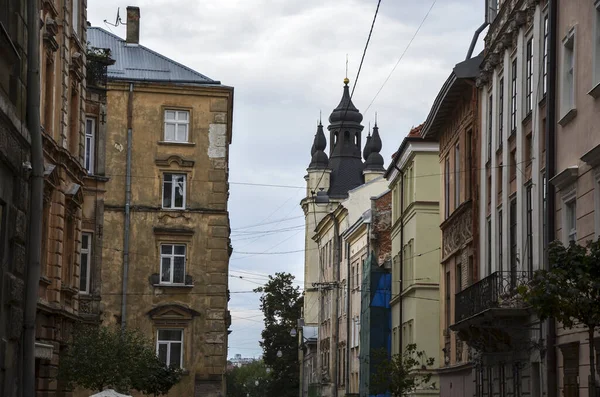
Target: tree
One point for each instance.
(101, 357)
(402, 373)
(281, 304)
(241, 381)
(570, 290)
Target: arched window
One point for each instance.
(335, 139)
(356, 140)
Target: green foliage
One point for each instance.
(242, 381)
(101, 357)
(281, 304)
(402, 373)
(570, 290)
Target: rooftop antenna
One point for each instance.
(319, 116)
(118, 20)
(375, 118)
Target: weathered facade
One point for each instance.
(63, 96)
(577, 179)
(14, 190)
(454, 121)
(166, 243)
(415, 248)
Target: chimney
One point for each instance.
(133, 25)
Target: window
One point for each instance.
(544, 213)
(490, 127)
(571, 220)
(75, 16)
(459, 272)
(513, 100)
(596, 44)
(177, 124)
(172, 264)
(90, 138)
(529, 209)
(469, 167)
(500, 113)
(545, 58)
(174, 191)
(513, 240)
(448, 295)
(447, 188)
(86, 257)
(528, 149)
(499, 245)
(529, 76)
(513, 165)
(456, 176)
(568, 78)
(471, 270)
(169, 347)
(489, 245)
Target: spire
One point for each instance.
(367, 150)
(319, 158)
(345, 112)
(375, 160)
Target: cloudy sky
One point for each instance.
(286, 60)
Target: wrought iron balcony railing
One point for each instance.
(498, 290)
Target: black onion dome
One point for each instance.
(319, 157)
(345, 111)
(375, 160)
(368, 149)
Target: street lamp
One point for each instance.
(279, 354)
(293, 332)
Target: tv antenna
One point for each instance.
(118, 20)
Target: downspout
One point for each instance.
(400, 281)
(348, 311)
(550, 172)
(336, 236)
(36, 204)
(474, 40)
(127, 209)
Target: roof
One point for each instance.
(452, 89)
(135, 62)
(414, 135)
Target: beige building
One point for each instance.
(577, 179)
(415, 248)
(166, 225)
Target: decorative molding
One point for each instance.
(592, 158)
(565, 178)
(172, 312)
(174, 159)
(168, 231)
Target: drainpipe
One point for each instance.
(550, 172)
(127, 209)
(474, 40)
(348, 311)
(36, 203)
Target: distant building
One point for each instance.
(239, 361)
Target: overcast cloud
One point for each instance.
(286, 60)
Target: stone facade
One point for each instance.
(14, 190)
(63, 95)
(194, 302)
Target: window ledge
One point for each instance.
(568, 117)
(170, 143)
(527, 118)
(595, 92)
(45, 280)
(173, 285)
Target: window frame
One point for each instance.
(447, 187)
(489, 244)
(90, 136)
(169, 343)
(75, 14)
(513, 100)
(490, 126)
(176, 122)
(595, 92)
(570, 229)
(545, 56)
(529, 76)
(172, 257)
(500, 137)
(529, 226)
(173, 175)
(88, 265)
(568, 77)
(500, 242)
(457, 176)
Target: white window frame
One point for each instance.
(172, 182)
(568, 78)
(86, 264)
(514, 68)
(528, 80)
(500, 96)
(90, 143)
(176, 122)
(569, 200)
(544, 65)
(160, 342)
(171, 258)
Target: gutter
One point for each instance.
(127, 209)
(551, 191)
(36, 204)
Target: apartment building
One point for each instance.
(166, 246)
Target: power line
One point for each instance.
(267, 223)
(402, 55)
